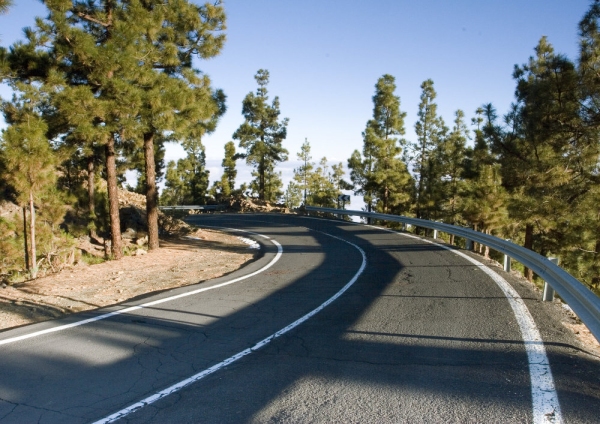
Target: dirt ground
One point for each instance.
(180, 261)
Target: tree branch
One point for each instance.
(92, 19)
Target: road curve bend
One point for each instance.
(336, 322)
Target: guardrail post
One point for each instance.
(507, 261)
(548, 290)
(469, 245)
(434, 234)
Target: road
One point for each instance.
(336, 322)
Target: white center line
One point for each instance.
(178, 386)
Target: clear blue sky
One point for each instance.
(325, 56)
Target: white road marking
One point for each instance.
(178, 386)
(251, 243)
(149, 304)
(545, 404)
(546, 408)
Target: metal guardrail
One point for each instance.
(581, 299)
(194, 207)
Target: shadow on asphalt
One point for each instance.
(158, 352)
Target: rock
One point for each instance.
(129, 234)
(142, 241)
(140, 252)
(8, 209)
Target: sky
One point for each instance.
(324, 58)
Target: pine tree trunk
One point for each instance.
(32, 234)
(27, 262)
(151, 192)
(261, 179)
(91, 197)
(528, 245)
(113, 199)
(386, 196)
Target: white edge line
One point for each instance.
(546, 407)
(178, 386)
(146, 305)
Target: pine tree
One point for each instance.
(134, 61)
(173, 97)
(320, 189)
(360, 173)
(484, 200)
(303, 172)
(273, 185)
(451, 157)
(262, 134)
(91, 45)
(585, 255)
(390, 176)
(293, 195)
(381, 175)
(541, 151)
(589, 65)
(229, 171)
(30, 160)
(226, 185)
(83, 141)
(175, 189)
(431, 132)
(186, 181)
(197, 174)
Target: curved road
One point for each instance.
(336, 322)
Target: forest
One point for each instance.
(101, 85)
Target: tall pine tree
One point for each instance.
(173, 96)
(261, 135)
(303, 172)
(95, 51)
(29, 159)
(539, 152)
(431, 132)
(380, 174)
(451, 157)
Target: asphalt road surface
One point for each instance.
(336, 322)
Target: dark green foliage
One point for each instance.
(30, 167)
(120, 83)
(261, 135)
(225, 187)
(293, 196)
(11, 245)
(312, 186)
(228, 165)
(302, 174)
(379, 174)
(186, 181)
(431, 132)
